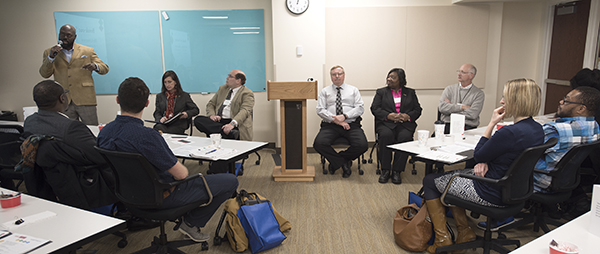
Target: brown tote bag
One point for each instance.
(412, 228)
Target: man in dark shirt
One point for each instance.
(128, 134)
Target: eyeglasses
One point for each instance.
(565, 101)
(337, 74)
(463, 72)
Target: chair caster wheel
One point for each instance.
(257, 162)
(413, 172)
(217, 241)
(370, 161)
(378, 172)
(324, 171)
(121, 244)
(501, 236)
(361, 172)
(204, 246)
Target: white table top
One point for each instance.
(181, 149)
(575, 232)
(68, 230)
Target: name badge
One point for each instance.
(397, 100)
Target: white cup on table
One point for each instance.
(423, 135)
(215, 139)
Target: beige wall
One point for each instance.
(514, 50)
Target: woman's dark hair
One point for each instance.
(401, 76)
(178, 89)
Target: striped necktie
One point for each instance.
(338, 102)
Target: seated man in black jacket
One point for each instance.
(69, 168)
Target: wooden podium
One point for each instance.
(292, 96)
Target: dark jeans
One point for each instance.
(330, 132)
(221, 186)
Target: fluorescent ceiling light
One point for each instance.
(246, 32)
(244, 28)
(215, 17)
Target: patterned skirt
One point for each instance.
(461, 187)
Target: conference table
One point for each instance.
(69, 229)
(182, 146)
(575, 231)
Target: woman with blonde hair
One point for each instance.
(493, 155)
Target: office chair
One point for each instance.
(565, 178)
(517, 187)
(10, 154)
(343, 141)
(139, 187)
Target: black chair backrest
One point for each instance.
(518, 181)
(137, 181)
(10, 132)
(10, 154)
(565, 177)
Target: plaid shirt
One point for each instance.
(570, 132)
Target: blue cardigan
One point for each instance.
(501, 150)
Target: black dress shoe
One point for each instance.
(385, 176)
(347, 171)
(332, 170)
(396, 179)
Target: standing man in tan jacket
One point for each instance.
(72, 65)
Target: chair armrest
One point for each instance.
(192, 177)
(188, 178)
(469, 176)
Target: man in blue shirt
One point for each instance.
(128, 134)
(575, 125)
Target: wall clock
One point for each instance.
(297, 6)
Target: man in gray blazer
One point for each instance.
(64, 160)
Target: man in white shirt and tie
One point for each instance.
(340, 106)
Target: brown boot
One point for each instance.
(465, 233)
(437, 213)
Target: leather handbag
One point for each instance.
(412, 228)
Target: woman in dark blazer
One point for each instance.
(396, 108)
(171, 101)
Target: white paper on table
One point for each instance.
(457, 125)
(31, 219)
(18, 243)
(211, 153)
(595, 213)
(442, 156)
(455, 148)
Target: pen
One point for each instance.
(211, 151)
